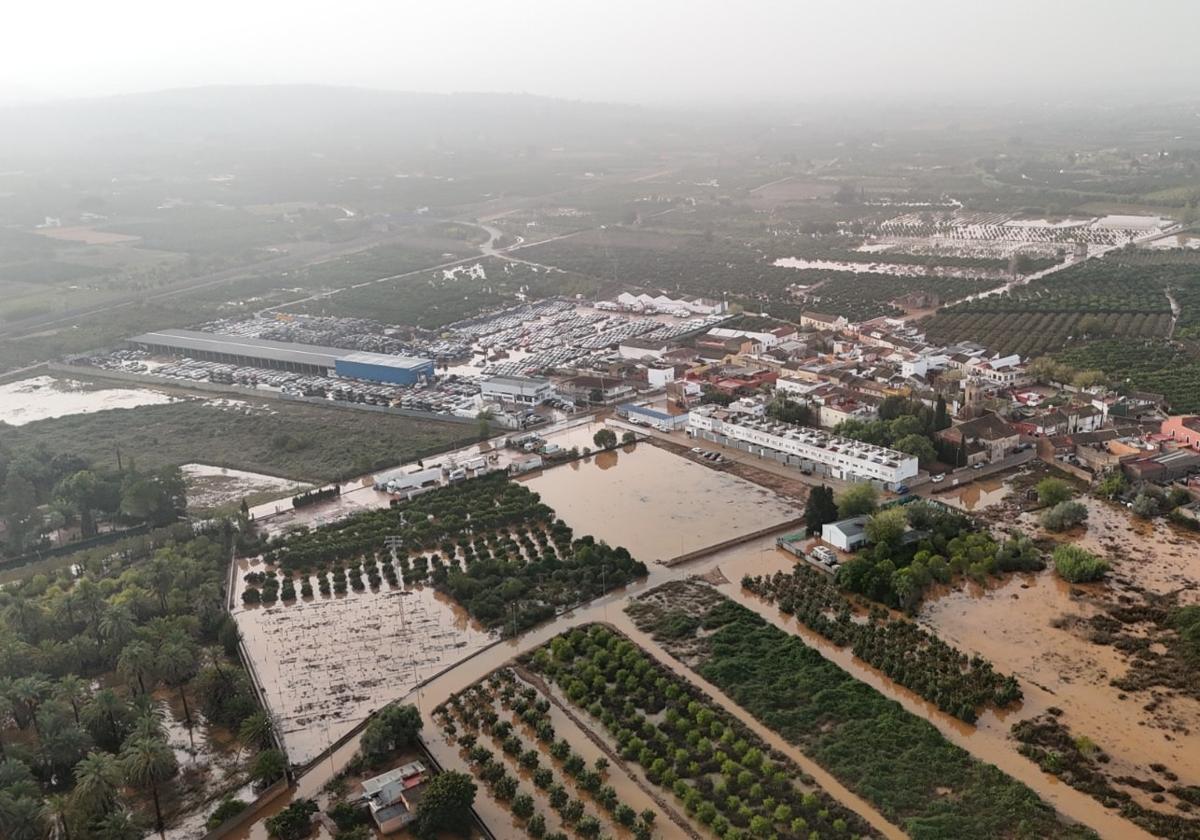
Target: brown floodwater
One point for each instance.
(645, 489)
(326, 662)
(1012, 623)
(655, 503)
(976, 495)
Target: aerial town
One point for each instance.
(429, 466)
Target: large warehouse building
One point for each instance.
(284, 355)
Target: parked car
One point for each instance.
(940, 477)
(901, 489)
(978, 466)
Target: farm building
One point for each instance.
(312, 359)
(846, 534)
(393, 796)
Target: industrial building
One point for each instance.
(380, 367)
(803, 447)
(521, 390)
(284, 355)
(646, 416)
(846, 534)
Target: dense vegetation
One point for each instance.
(1078, 565)
(914, 545)
(919, 661)
(306, 442)
(489, 543)
(861, 296)
(1080, 763)
(720, 771)
(905, 425)
(1160, 367)
(894, 759)
(43, 493)
(80, 659)
(1092, 300)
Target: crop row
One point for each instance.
(503, 556)
(894, 759)
(917, 660)
(472, 715)
(1034, 334)
(715, 767)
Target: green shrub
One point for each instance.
(1078, 565)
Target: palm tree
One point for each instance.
(73, 689)
(107, 717)
(162, 575)
(120, 825)
(90, 599)
(257, 731)
(22, 818)
(149, 722)
(29, 692)
(117, 627)
(136, 662)
(97, 783)
(56, 810)
(177, 663)
(148, 762)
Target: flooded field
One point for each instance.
(1034, 626)
(656, 504)
(47, 397)
(977, 495)
(326, 662)
(209, 486)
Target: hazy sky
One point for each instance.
(616, 50)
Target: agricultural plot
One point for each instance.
(915, 659)
(861, 296)
(708, 773)
(489, 543)
(897, 761)
(1161, 367)
(1092, 300)
(436, 298)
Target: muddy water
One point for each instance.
(326, 663)
(1011, 623)
(209, 486)
(977, 495)
(656, 504)
(1150, 555)
(45, 397)
(988, 740)
(360, 493)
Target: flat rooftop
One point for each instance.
(280, 351)
(265, 348)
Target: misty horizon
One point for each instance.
(669, 54)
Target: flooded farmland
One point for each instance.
(47, 397)
(209, 486)
(325, 663)
(656, 504)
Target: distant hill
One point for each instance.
(313, 119)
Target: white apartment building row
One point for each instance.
(842, 457)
